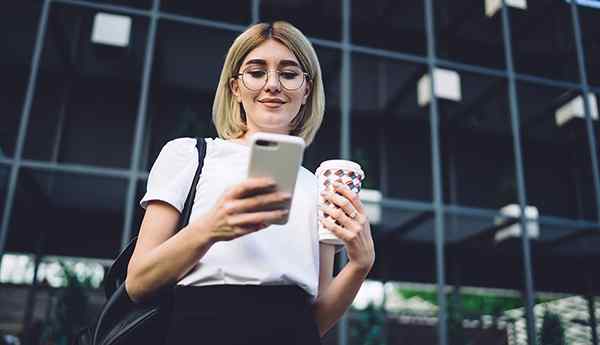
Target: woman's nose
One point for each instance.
(273, 83)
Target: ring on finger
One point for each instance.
(353, 214)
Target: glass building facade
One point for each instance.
(470, 118)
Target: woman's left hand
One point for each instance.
(353, 226)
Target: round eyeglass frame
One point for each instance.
(241, 76)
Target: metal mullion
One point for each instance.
(255, 11)
(74, 168)
(107, 7)
(545, 81)
(325, 43)
(437, 179)
(401, 204)
(591, 140)
(492, 72)
(586, 103)
(13, 178)
(201, 22)
(345, 99)
(6, 161)
(139, 126)
(388, 54)
(514, 112)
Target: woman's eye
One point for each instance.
(257, 73)
(289, 75)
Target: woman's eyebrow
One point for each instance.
(282, 63)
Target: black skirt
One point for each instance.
(242, 315)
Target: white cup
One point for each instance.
(337, 170)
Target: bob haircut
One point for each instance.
(228, 115)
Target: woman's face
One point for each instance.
(272, 107)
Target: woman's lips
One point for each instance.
(272, 105)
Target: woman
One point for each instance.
(241, 280)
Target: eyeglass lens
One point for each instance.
(256, 78)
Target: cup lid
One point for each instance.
(341, 164)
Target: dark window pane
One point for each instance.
(393, 25)
(86, 100)
(18, 28)
(320, 19)
(327, 141)
(390, 130)
(476, 144)
(229, 11)
(67, 214)
(466, 34)
(590, 31)
(556, 155)
(138, 211)
(4, 175)
(544, 32)
(185, 78)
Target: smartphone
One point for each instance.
(277, 156)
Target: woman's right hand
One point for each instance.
(238, 211)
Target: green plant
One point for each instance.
(68, 314)
(369, 326)
(552, 331)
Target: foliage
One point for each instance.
(552, 331)
(369, 327)
(68, 314)
(472, 304)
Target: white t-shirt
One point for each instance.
(278, 255)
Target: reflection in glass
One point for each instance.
(67, 214)
(185, 75)
(544, 32)
(138, 211)
(390, 130)
(391, 25)
(556, 155)
(4, 174)
(319, 19)
(590, 31)
(484, 276)
(18, 26)
(464, 33)
(327, 141)
(228, 11)
(476, 144)
(86, 98)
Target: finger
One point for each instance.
(251, 186)
(274, 200)
(339, 216)
(268, 217)
(340, 232)
(340, 201)
(350, 195)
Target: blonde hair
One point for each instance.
(228, 115)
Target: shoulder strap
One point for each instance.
(118, 270)
(187, 208)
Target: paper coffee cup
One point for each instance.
(337, 170)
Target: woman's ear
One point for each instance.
(234, 86)
(307, 90)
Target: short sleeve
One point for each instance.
(171, 175)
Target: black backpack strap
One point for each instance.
(118, 270)
(187, 208)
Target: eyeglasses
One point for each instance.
(255, 78)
